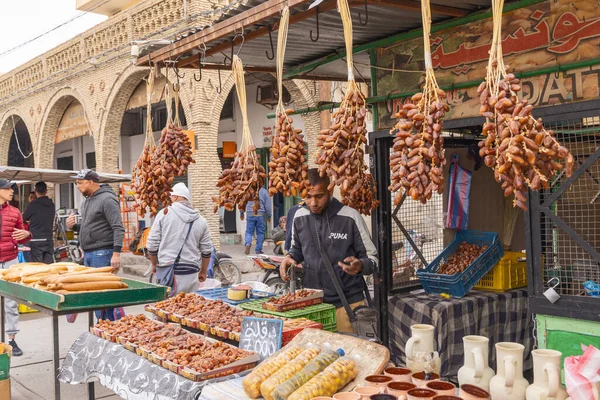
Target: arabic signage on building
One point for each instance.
(534, 37)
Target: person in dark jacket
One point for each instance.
(12, 235)
(101, 229)
(343, 235)
(39, 214)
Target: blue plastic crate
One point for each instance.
(458, 285)
(221, 294)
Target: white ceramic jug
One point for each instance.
(476, 370)
(509, 382)
(418, 346)
(546, 376)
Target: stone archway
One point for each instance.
(55, 110)
(9, 121)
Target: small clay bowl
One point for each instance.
(347, 396)
(441, 387)
(420, 394)
(367, 391)
(400, 388)
(383, 396)
(472, 392)
(418, 378)
(378, 380)
(399, 374)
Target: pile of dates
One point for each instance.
(459, 261)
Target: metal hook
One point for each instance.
(311, 32)
(366, 15)
(272, 56)
(199, 69)
(176, 70)
(219, 89)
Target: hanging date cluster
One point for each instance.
(241, 182)
(522, 153)
(417, 161)
(288, 168)
(341, 153)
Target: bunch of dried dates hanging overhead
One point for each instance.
(417, 160)
(288, 168)
(341, 153)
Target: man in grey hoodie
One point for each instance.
(169, 237)
(101, 229)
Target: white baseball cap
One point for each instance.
(181, 190)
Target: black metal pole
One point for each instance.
(2, 323)
(91, 389)
(56, 356)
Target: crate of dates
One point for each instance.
(292, 301)
(462, 264)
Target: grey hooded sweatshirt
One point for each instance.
(101, 226)
(167, 236)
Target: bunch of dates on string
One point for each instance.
(521, 151)
(241, 182)
(341, 153)
(288, 168)
(417, 160)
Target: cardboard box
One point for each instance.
(5, 389)
(5, 363)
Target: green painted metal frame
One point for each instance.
(378, 99)
(137, 293)
(405, 36)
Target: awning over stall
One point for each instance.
(22, 174)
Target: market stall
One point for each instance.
(18, 284)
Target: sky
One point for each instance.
(23, 20)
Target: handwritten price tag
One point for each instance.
(262, 335)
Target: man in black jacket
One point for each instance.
(39, 214)
(342, 233)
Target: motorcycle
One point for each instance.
(271, 278)
(69, 251)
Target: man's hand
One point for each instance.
(20, 234)
(71, 221)
(351, 265)
(202, 275)
(285, 264)
(153, 268)
(115, 262)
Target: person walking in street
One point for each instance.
(342, 233)
(179, 244)
(11, 235)
(256, 222)
(39, 214)
(101, 228)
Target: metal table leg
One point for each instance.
(91, 393)
(56, 356)
(2, 322)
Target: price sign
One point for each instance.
(262, 335)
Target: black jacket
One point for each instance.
(40, 216)
(343, 233)
(101, 225)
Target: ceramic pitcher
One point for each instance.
(476, 370)
(509, 382)
(418, 346)
(546, 376)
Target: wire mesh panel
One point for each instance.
(416, 228)
(570, 214)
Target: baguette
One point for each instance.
(35, 278)
(85, 286)
(87, 278)
(92, 271)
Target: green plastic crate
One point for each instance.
(322, 313)
(330, 327)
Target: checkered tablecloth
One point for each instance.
(502, 317)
